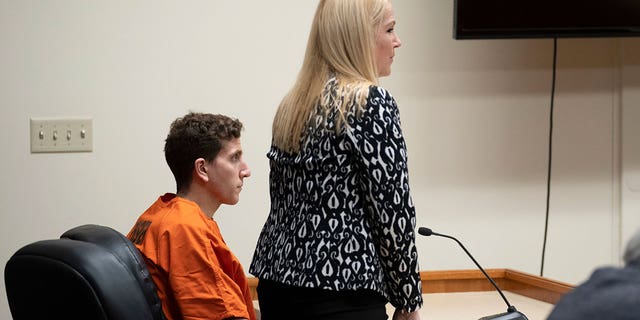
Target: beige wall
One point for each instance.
(630, 186)
(475, 115)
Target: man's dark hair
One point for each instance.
(196, 135)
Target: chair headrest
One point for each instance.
(92, 272)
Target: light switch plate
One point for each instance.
(61, 135)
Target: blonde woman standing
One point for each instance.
(339, 241)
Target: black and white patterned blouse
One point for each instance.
(341, 215)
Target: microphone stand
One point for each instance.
(512, 313)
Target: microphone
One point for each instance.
(512, 313)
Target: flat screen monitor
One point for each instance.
(494, 19)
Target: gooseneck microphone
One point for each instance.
(512, 313)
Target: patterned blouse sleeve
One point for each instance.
(378, 138)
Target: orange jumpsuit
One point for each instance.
(196, 274)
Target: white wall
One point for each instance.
(475, 115)
(630, 218)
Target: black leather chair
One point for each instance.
(91, 272)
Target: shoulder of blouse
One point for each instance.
(378, 91)
(380, 97)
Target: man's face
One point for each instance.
(227, 172)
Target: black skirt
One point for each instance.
(280, 302)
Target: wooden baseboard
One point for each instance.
(444, 281)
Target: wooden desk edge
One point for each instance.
(443, 281)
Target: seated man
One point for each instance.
(196, 274)
(610, 293)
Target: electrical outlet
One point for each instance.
(61, 135)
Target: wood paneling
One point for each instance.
(444, 281)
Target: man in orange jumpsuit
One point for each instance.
(196, 274)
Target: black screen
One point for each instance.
(486, 19)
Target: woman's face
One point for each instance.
(386, 42)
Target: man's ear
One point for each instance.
(200, 169)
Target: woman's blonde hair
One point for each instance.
(341, 44)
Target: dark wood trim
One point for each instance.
(536, 287)
(443, 281)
